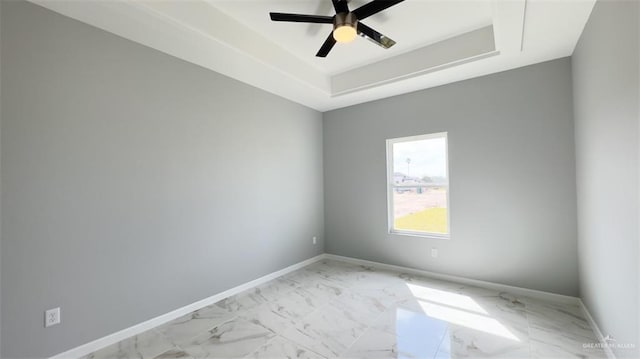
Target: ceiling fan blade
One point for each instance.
(340, 6)
(327, 46)
(375, 36)
(374, 7)
(278, 16)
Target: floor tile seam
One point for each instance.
(298, 343)
(541, 341)
(354, 342)
(192, 338)
(267, 300)
(275, 335)
(337, 284)
(270, 301)
(262, 345)
(183, 350)
(561, 328)
(368, 326)
(557, 346)
(440, 344)
(164, 336)
(284, 292)
(526, 313)
(315, 309)
(302, 345)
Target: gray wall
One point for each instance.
(512, 178)
(135, 183)
(605, 87)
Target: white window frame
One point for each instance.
(391, 186)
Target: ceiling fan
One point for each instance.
(346, 24)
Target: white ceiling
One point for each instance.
(438, 41)
(411, 24)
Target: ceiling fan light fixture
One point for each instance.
(344, 27)
(345, 34)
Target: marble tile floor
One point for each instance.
(333, 309)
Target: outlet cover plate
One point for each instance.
(51, 317)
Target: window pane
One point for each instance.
(422, 209)
(420, 161)
(419, 184)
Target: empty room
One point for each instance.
(319, 179)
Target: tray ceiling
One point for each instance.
(413, 24)
(438, 41)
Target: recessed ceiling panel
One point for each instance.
(471, 46)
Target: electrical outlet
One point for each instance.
(315, 240)
(51, 317)
(434, 252)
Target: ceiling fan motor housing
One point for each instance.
(345, 19)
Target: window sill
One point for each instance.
(421, 235)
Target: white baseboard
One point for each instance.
(596, 329)
(558, 298)
(110, 339)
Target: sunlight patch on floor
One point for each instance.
(458, 309)
(447, 298)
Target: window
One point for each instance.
(418, 185)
